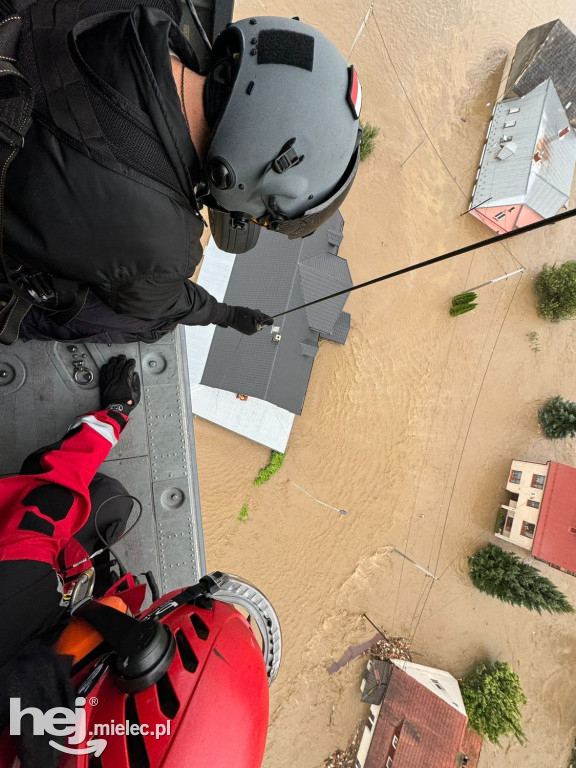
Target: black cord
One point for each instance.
(108, 546)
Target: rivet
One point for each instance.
(253, 51)
(152, 363)
(241, 186)
(254, 40)
(253, 21)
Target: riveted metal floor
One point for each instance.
(44, 385)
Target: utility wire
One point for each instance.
(437, 259)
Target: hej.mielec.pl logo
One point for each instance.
(59, 722)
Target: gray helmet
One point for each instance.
(284, 110)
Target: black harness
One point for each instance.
(68, 106)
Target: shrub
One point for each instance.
(461, 309)
(493, 696)
(368, 140)
(243, 516)
(464, 298)
(555, 289)
(276, 461)
(558, 418)
(500, 517)
(503, 575)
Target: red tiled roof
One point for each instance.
(431, 733)
(553, 541)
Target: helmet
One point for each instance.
(194, 674)
(284, 111)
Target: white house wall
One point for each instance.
(521, 513)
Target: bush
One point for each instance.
(500, 517)
(462, 303)
(464, 298)
(558, 418)
(555, 289)
(493, 696)
(243, 516)
(368, 140)
(503, 575)
(276, 461)
(461, 309)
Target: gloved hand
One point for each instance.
(119, 385)
(247, 320)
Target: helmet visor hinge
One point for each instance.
(287, 158)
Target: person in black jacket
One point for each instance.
(130, 133)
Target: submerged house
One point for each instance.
(417, 718)
(547, 51)
(255, 385)
(527, 163)
(541, 513)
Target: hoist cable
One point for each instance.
(443, 257)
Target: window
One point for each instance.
(538, 481)
(563, 132)
(510, 124)
(532, 503)
(437, 684)
(500, 215)
(513, 110)
(508, 526)
(505, 138)
(394, 742)
(528, 530)
(515, 476)
(512, 209)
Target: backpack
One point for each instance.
(49, 21)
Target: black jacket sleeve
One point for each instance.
(177, 300)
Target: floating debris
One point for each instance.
(389, 648)
(341, 758)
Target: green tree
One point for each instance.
(276, 461)
(368, 141)
(503, 575)
(558, 418)
(555, 289)
(493, 696)
(461, 309)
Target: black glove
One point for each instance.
(246, 320)
(119, 384)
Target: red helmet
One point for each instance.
(186, 684)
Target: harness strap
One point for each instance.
(68, 101)
(15, 118)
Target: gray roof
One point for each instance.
(322, 275)
(548, 51)
(276, 275)
(341, 329)
(513, 177)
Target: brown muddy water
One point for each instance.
(412, 425)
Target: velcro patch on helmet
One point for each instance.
(277, 46)
(354, 94)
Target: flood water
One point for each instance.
(412, 425)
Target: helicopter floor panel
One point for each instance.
(44, 385)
